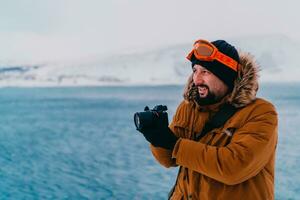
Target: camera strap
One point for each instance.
(218, 120)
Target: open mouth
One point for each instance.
(203, 91)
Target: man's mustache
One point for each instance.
(202, 85)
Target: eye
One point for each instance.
(205, 72)
(194, 70)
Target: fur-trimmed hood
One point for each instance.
(245, 85)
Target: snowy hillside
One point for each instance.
(277, 56)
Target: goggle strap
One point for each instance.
(190, 55)
(226, 60)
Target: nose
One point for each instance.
(198, 78)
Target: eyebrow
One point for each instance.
(201, 67)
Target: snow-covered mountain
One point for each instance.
(277, 56)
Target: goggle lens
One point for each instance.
(203, 49)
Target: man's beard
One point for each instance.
(209, 99)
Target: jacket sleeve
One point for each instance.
(245, 156)
(164, 156)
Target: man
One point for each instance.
(234, 160)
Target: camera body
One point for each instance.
(155, 118)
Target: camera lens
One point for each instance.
(144, 120)
(137, 121)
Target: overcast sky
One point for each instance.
(47, 30)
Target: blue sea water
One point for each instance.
(80, 143)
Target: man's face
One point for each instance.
(210, 88)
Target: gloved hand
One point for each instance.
(160, 137)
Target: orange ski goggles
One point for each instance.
(206, 51)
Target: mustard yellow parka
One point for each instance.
(234, 162)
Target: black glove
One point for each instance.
(160, 137)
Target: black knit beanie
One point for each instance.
(223, 72)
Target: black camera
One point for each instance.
(157, 117)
